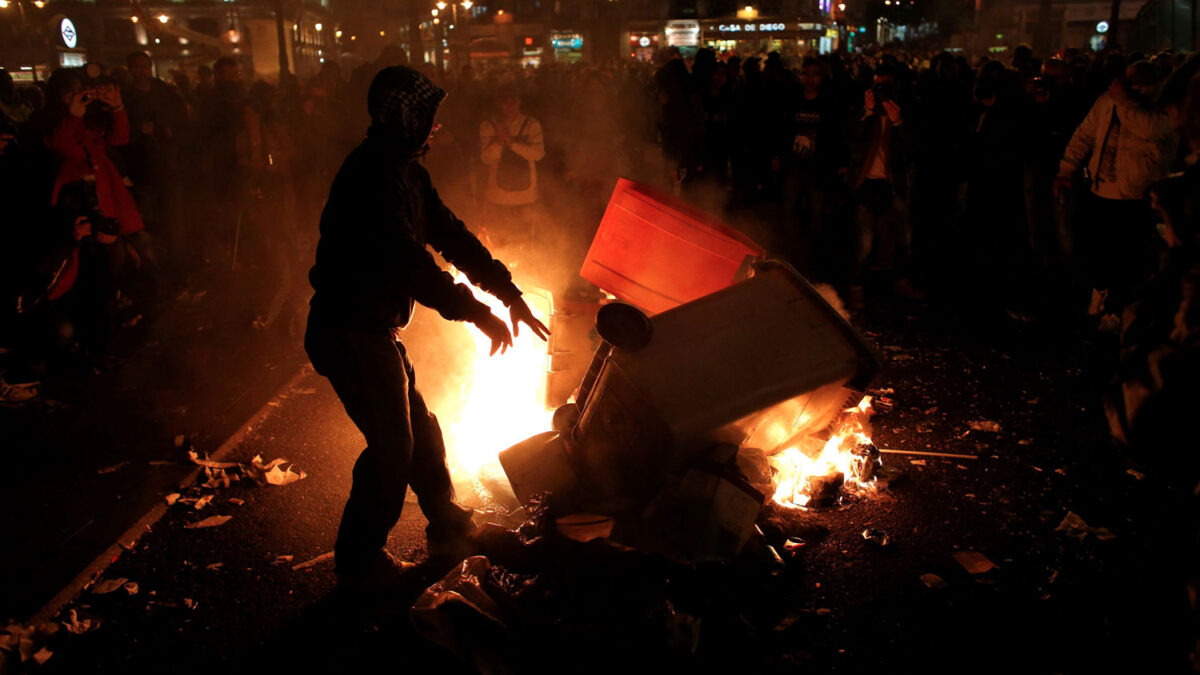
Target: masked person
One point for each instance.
(372, 264)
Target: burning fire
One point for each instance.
(803, 469)
(502, 399)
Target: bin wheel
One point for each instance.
(624, 326)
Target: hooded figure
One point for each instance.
(372, 265)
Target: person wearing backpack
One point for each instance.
(511, 145)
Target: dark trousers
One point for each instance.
(882, 230)
(374, 379)
(1116, 241)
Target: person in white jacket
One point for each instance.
(509, 129)
(1125, 145)
(511, 145)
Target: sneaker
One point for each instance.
(17, 394)
(378, 570)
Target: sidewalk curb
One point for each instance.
(143, 524)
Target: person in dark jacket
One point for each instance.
(372, 265)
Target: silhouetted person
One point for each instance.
(372, 265)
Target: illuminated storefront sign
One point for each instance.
(66, 29)
(751, 27)
(566, 41)
(683, 33)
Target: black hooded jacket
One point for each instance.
(382, 213)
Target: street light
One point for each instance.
(467, 4)
(163, 18)
(319, 27)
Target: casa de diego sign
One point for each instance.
(751, 27)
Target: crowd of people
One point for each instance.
(1043, 183)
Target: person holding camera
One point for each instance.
(878, 174)
(83, 119)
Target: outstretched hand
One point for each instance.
(496, 331)
(520, 313)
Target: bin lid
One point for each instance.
(656, 251)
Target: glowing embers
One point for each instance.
(813, 473)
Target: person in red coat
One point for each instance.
(82, 121)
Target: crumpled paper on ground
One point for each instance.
(1074, 526)
(108, 586)
(271, 473)
(211, 521)
(974, 562)
(20, 643)
(79, 626)
(221, 474)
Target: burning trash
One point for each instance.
(654, 436)
(721, 383)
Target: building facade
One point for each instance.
(37, 36)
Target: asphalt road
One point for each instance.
(212, 600)
(96, 451)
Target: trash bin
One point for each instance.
(656, 251)
(713, 371)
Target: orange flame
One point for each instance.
(797, 467)
(502, 400)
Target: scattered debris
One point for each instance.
(236, 502)
(985, 425)
(794, 544)
(917, 462)
(202, 502)
(926, 453)
(307, 564)
(208, 463)
(78, 626)
(974, 562)
(933, 581)
(1136, 474)
(212, 567)
(179, 439)
(305, 391)
(108, 586)
(172, 498)
(877, 538)
(130, 587)
(786, 622)
(222, 474)
(211, 521)
(190, 603)
(272, 474)
(1074, 526)
(217, 478)
(111, 469)
(282, 560)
